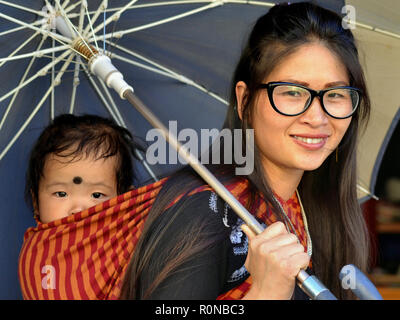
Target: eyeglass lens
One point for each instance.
(292, 100)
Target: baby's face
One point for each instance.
(70, 187)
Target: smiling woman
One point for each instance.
(303, 186)
(305, 134)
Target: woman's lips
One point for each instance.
(310, 142)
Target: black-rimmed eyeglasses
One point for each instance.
(291, 99)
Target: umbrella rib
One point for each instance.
(39, 13)
(22, 80)
(159, 4)
(81, 17)
(37, 53)
(73, 6)
(256, 3)
(140, 65)
(166, 72)
(100, 9)
(75, 83)
(65, 3)
(97, 89)
(57, 36)
(52, 96)
(18, 28)
(36, 109)
(112, 103)
(115, 16)
(41, 72)
(366, 191)
(166, 20)
(20, 47)
(90, 25)
(378, 30)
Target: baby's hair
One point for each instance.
(81, 137)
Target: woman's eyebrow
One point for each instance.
(327, 85)
(336, 83)
(306, 84)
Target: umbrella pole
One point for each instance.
(309, 284)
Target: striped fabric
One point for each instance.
(84, 256)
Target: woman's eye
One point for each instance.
(60, 194)
(97, 195)
(292, 93)
(335, 95)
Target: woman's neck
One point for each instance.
(283, 181)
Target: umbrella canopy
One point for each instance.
(177, 55)
(377, 31)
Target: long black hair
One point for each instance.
(328, 193)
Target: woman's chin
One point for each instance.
(311, 164)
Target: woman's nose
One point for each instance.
(315, 115)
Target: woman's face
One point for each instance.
(300, 142)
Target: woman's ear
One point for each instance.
(241, 96)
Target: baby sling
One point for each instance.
(84, 256)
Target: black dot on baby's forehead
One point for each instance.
(77, 180)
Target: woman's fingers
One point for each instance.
(274, 259)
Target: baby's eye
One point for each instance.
(97, 195)
(60, 194)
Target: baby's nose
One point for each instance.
(75, 209)
(78, 206)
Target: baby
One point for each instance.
(78, 162)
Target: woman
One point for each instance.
(300, 86)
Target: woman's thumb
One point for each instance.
(249, 233)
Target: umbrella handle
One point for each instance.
(309, 284)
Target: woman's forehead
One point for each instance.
(311, 63)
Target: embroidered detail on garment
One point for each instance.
(212, 202)
(237, 233)
(225, 218)
(238, 274)
(236, 238)
(242, 249)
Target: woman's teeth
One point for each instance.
(309, 140)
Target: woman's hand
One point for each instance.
(274, 259)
